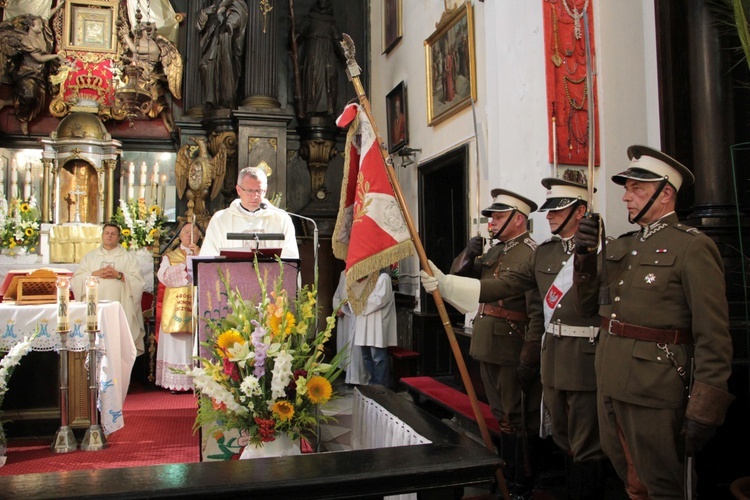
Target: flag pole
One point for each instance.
(353, 72)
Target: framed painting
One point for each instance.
(90, 25)
(398, 124)
(450, 63)
(392, 24)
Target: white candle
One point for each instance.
(156, 169)
(142, 189)
(92, 301)
(63, 304)
(27, 182)
(14, 171)
(163, 192)
(131, 180)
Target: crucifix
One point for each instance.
(78, 194)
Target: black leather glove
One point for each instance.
(476, 246)
(527, 371)
(527, 375)
(587, 235)
(696, 435)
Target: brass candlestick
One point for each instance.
(94, 439)
(64, 441)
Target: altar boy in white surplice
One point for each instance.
(120, 279)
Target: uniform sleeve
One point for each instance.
(509, 282)
(703, 279)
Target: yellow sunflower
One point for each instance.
(29, 232)
(25, 207)
(126, 232)
(153, 233)
(154, 209)
(228, 338)
(124, 244)
(283, 410)
(319, 390)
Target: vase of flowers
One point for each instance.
(140, 225)
(266, 375)
(19, 230)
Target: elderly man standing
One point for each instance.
(502, 335)
(120, 279)
(251, 213)
(665, 352)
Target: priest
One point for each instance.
(120, 279)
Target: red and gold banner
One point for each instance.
(567, 94)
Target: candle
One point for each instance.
(156, 169)
(27, 183)
(92, 301)
(63, 303)
(163, 192)
(131, 180)
(142, 184)
(14, 171)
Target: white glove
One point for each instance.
(462, 293)
(175, 276)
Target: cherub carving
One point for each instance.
(196, 173)
(160, 65)
(26, 58)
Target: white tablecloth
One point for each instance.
(116, 350)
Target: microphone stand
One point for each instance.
(315, 248)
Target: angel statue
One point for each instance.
(196, 173)
(160, 65)
(26, 58)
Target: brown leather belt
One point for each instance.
(636, 332)
(502, 313)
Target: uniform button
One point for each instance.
(617, 299)
(656, 261)
(634, 252)
(559, 306)
(613, 316)
(620, 282)
(629, 266)
(549, 269)
(658, 358)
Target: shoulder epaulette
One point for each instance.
(631, 233)
(530, 243)
(687, 229)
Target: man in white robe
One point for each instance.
(251, 213)
(375, 330)
(120, 279)
(352, 363)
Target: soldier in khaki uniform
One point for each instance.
(500, 332)
(569, 344)
(665, 335)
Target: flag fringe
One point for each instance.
(340, 248)
(358, 297)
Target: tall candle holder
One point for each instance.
(64, 441)
(94, 439)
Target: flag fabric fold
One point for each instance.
(370, 232)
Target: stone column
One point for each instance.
(712, 114)
(46, 170)
(261, 73)
(109, 180)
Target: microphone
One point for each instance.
(315, 245)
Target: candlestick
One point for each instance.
(63, 303)
(163, 192)
(92, 301)
(131, 180)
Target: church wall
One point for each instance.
(511, 114)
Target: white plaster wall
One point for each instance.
(511, 113)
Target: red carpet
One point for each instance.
(158, 430)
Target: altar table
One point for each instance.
(116, 350)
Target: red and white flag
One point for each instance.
(370, 231)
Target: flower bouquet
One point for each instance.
(140, 226)
(267, 376)
(19, 226)
(7, 365)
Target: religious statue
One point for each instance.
(26, 58)
(323, 56)
(222, 31)
(196, 173)
(160, 65)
